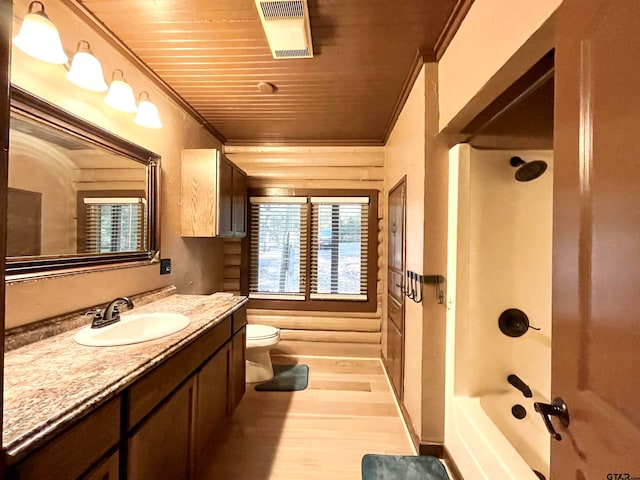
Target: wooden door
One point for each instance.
(161, 447)
(596, 245)
(395, 279)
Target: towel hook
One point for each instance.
(437, 280)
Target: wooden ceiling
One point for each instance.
(213, 54)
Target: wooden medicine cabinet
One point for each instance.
(213, 194)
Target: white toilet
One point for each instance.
(260, 339)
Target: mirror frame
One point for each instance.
(19, 268)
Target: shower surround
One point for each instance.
(499, 258)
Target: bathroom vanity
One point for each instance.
(142, 411)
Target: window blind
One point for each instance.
(115, 224)
(278, 247)
(339, 242)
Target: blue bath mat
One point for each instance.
(401, 467)
(286, 378)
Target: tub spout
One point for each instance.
(517, 382)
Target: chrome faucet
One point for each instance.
(111, 313)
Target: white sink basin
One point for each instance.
(133, 328)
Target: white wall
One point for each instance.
(498, 41)
(510, 234)
(405, 155)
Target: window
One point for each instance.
(278, 247)
(314, 251)
(339, 239)
(114, 224)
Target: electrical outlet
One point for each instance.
(165, 266)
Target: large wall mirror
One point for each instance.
(78, 196)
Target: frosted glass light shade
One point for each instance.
(148, 115)
(39, 37)
(120, 96)
(86, 71)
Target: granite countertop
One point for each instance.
(49, 383)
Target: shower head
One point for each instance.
(528, 171)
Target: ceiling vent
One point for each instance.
(286, 24)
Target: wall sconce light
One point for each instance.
(147, 115)
(86, 71)
(39, 37)
(120, 95)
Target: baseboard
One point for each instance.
(432, 449)
(407, 420)
(403, 411)
(327, 349)
(451, 465)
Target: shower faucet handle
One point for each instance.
(557, 408)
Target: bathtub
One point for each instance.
(487, 442)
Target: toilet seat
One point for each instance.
(262, 335)
(261, 332)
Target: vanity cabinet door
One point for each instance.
(210, 407)
(160, 447)
(106, 470)
(237, 369)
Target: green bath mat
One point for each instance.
(286, 378)
(400, 467)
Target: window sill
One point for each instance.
(276, 296)
(367, 305)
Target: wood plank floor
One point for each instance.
(322, 432)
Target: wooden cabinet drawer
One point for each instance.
(149, 391)
(75, 450)
(239, 319)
